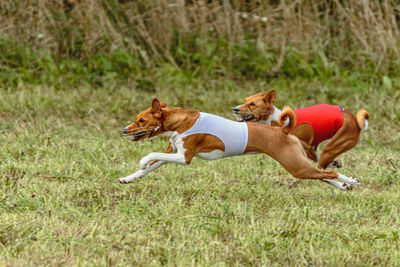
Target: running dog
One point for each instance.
(314, 125)
(206, 136)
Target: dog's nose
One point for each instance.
(124, 131)
(236, 109)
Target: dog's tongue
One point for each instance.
(240, 118)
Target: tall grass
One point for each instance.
(256, 38)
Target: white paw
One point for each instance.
(348, 180)
(347, 187)
(123, 181)
(353, 181)
(356, 181)
(340, 185)
(128, 179)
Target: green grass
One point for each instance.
(61, 204)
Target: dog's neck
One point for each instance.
(179, 119)
(273, 117)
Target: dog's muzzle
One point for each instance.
(243, 116)
(138, 133)
(247, 117)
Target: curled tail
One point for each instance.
(362, 118)
(287, 119)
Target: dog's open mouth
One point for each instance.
(247, 117)
(138, 136)
(138, 133)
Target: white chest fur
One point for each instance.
(273, 117)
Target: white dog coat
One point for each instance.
(233, 134)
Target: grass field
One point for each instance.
(61, 204)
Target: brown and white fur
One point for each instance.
(260, 108)
(273, 141)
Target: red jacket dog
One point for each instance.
(314, 125)
(211, 137)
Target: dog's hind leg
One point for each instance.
(345, 139)
(304, 170)
(333, 149)
(294, 161)
(305, 133)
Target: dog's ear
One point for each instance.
(270, 97)
(155, 106)
(163, 104)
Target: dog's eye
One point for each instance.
(141, 120)
(252, 104)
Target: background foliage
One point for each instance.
(251, 39)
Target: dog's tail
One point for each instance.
(362, 119)
(287, 120)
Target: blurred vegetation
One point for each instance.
(70, 42)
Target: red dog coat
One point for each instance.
(324, 119)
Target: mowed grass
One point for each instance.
(61, 203)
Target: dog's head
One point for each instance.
(148, 123)
(257, 107)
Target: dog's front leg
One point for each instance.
(178, 157)
(174, 158)
(141, 173)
